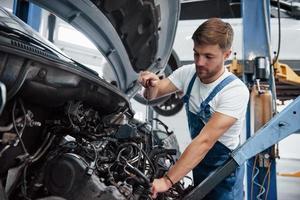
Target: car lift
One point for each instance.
(258, 151)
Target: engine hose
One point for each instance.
(143, 152)
(142, 178)
(2, 192)
(157, 153)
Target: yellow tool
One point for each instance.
(286, 74)
(235, 67)
(291, 174)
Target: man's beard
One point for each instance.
(202, 73)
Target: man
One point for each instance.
(216, 103)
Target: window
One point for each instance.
(210, 8)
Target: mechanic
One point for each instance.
(216, 103)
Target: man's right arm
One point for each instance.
(155, 87)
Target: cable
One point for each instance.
(254, 164)
(268, 187)
(279, 33)
(43, 150)
(261, 186)
(271, 76)
(95, 151)
(266, 175)
(24, 181)
(15, 124)
(168, 132)
(72, 125)
(275, 59)
(266, 17)
(256, 183)
(143, 152)
(3, 194)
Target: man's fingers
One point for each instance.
(153, 83)
(143, 78)
(154, 194)
(147, 79)
(148, 83)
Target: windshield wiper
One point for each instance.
(15, 33)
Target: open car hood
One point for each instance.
(35, 70)
(134, 35)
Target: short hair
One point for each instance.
(214, 31)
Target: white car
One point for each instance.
(192, 16)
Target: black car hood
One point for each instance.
(134, 35)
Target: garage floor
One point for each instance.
(288, 187)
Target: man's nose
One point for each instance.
(200, 61)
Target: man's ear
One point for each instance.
(227, 54)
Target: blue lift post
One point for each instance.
(261, 170)
(258, 75)
(28, 12)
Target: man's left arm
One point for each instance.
(217, 125)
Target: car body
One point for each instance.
(193, 14)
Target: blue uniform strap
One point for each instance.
(217, 89)
(187, 95)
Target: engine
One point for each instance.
(74, 152)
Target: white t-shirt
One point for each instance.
(232, 100)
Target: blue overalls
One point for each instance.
(231, 187)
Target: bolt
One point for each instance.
(281, 124)
(42, 73)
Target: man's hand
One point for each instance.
(147, 79)
(160, 185)
(155, 87)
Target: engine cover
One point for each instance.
(66, 176)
